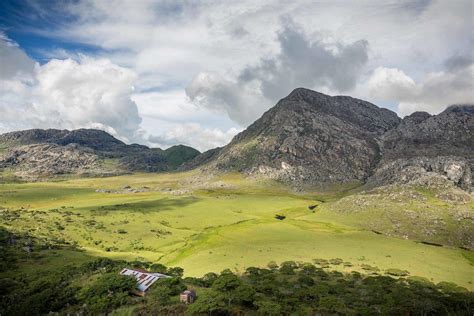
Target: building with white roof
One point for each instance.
(144, 278)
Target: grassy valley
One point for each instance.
(211, 224)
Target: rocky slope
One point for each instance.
(310, 138)
(42, 153)
(424, 146)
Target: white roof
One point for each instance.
(144, 279)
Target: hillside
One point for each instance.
(427, 146)
(44, 153)
(312, 139)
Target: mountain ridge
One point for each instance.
(309, 138)
(49, 152)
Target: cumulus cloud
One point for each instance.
(241, 102)
(433, 93)
(193, 134)
(238, 58)
(301, 62)
(308, 62)
(15, 64)
(91, 93)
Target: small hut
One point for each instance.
(144, 279)
(187, 297)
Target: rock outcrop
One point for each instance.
(42, 153)
(309, 138)
(423, 147)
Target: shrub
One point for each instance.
(108, 292)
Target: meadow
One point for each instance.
(210, 224)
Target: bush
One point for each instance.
(110, 291)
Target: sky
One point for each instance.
(171, 72)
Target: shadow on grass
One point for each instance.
(157, 205)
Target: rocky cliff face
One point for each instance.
(310, 138)
(43, 153)
(423, 146)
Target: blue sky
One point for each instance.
(167, 72)
(25, 21)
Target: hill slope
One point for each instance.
(425, 147)
(40, 153)
(309, 138)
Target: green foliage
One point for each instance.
(110, 291)
(176, 272)
(227, 283)
(267, 307)
(177, 155)
(294, 289)
(288, 267)
(208, 303)
(159, 268)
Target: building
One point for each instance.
(144, 279)
(187, 297)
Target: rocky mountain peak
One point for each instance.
(461, 108)
(416, 117)
(309, 138)
(355, 111)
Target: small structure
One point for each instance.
(187, 297)
(144, 279)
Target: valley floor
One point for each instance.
(205, 225)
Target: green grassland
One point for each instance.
(209, 224)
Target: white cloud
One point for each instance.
(194, 135)
(301, 62)
(170, 118)
(89, 91)
(67, 94)
(391, 84)
(15, 64)
(241, 102)
(432, 94)
(235, 59)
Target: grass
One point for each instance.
(212, 224)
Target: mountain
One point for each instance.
(306, 139)
(423, 145)
(309, 138)
(39, 153)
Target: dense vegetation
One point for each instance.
(96, 287)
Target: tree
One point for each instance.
(207, 303)
(109, 291)
(161, 293)
(158, 267)
(176, 272)
(267, 307)
(209, 278)
(272, 265)
(244, 294)
(331, 304)
(288, 267)
(226, 283)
